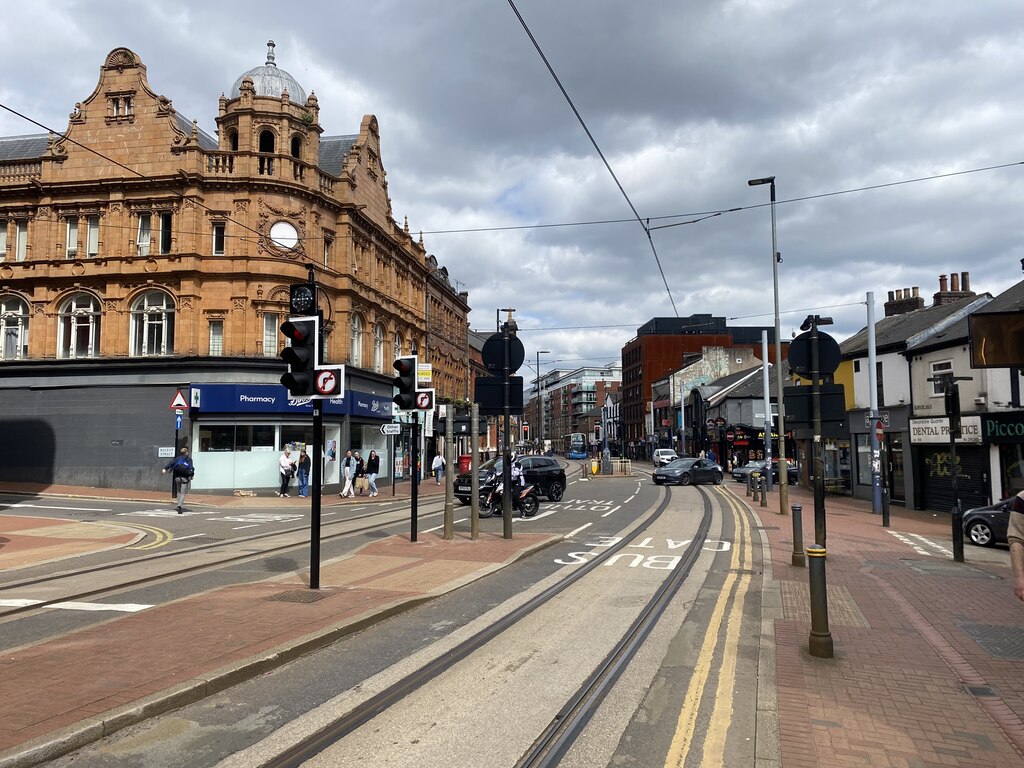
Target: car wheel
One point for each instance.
(656, 481)
(555, 491)
(463, 501)
(718, 479)
(684, 479)
(980, 533)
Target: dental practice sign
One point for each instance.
(273, 399)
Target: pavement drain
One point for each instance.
(842, 608)
(948, 568)
(299, 596)
(980, 690)
(1001, 642)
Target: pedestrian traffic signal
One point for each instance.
(302, 355)
(405, 383)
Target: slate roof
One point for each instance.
(333, 150)
(23, 147)
(891, 333)
(206, 141)
(1010, 300)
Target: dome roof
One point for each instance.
(271, 81)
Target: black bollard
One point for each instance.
(764, 492)
(798, 536)
(819, 643)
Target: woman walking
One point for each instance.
(372, 470)
(305, 465)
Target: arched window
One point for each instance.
(152, 330)
(297, 147)
(378, 348)
(398, 345)
(79, 327)
(267, 141)
(14, 327)
(355, 355)
(413, 348)
(233, 140)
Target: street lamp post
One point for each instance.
(540, 394)
(780, 403)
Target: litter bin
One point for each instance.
(465, 461)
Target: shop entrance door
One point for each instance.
(897, 490)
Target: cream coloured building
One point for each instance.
(140, 256)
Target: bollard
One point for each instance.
(764, 492)
(819, 642)
(798, 536)
(750, 484)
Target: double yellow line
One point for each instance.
(162, 536)
(732, 596)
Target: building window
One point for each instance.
(152, 325)
(378, 348)
(356, 342)
(328, 247)
(270, 334)
(79, 327)
(14, 328)
(233, 140)
(219, 229)
(939, 369)
(92, 244)
(164, 220)
(71, 246)
(142, 238)
(413, 348)
(266, 146)
(21, 241)
(3, 239)
(397, 345)
(216, 338)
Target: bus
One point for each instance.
(574, 446)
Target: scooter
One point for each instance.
(526, 502)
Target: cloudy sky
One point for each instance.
(686, 100)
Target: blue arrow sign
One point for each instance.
(177, 422)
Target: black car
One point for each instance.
(688, 472)
(542, 471)
(740, 474)
(986, 526)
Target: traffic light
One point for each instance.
(951, 395)
(302, 355)
(405, 383)
(597, 433)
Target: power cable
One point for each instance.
(593, 141)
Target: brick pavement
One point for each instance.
(928, 652)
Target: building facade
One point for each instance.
(140, 256)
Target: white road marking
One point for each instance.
(241, 527)
(932, 544)
(439, 527)
(581, 528)
(26, 505)
(72, 606)
(913, 545)
(190, 536)
(612, 511)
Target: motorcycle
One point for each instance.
(526, 501)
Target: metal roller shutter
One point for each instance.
(936, 478)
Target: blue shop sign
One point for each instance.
(273, 399)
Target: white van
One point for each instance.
(663, 456)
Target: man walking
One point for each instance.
(182, 470)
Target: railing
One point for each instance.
(220, 163)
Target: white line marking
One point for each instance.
(26, 505)
(932, 544)
(581, 528)
(438, 528)
(612, 511)
(190, 536)
(241, 527)
(72, 606)
(910, 543)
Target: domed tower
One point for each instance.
(268, 115)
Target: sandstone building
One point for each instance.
(140, 256)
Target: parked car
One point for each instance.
(739, 474)
(688, 472)
(544, 472)
(986, 526)
(663, 456)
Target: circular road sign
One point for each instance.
(880, 431)
(424, 400)
(829, 354)
(326, 382)
(730, 435)
(493, 354)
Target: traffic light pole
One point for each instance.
(506, 458)
(316, 465)
(415, 478)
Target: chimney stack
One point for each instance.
(903, 300)
(959, 287)
(942, 284)
(954, 282)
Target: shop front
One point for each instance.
(934, 464)
(1004, 434)
(897, 476)
(238, 431)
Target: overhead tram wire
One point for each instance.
(593, 141)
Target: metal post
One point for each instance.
(958, 515)
(314, 506)
(767, 408)
(506, 458)
(449, 474)
(764, 492)
(818, 445)
(876, 455)
(474, 472)
(819, 643)
(415, 477)
(798, 536)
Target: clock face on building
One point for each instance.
(284, 235)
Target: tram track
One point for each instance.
(194, 568)
(570, 721)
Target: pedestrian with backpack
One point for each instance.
(182, 470)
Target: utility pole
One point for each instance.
(811, 323)
(951, 395)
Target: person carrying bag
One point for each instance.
(182, 470)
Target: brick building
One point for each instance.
(140, 256)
